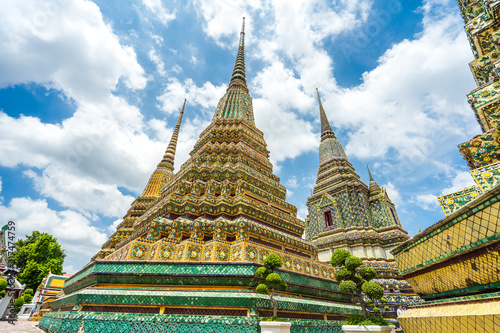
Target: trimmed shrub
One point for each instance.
(339, 256)
(348, 286)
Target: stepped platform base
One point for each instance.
(111, 296)
(466, 314)
(91, 322)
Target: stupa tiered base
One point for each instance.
(119, 296)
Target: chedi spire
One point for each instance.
(236, 104)
(168, 159)
(326, 129)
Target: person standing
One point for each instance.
(400, 311)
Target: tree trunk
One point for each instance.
(275, 304)
(362, 302)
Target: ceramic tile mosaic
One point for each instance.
(474, 228)
(124, 323)
(471, 317)
(480, 272)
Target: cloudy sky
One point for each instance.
(90, 92)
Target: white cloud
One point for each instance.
(160, 66)
(156, 7)
(73, 231)
(206, 96)
(277, 83)
(82, 194)
(416, 90)
(393, 193)
(292, 182)
(112, 227)
(103, 141)
(427, 201)
(287, 136)
(223, 18)
(65, 45)
(461, 180)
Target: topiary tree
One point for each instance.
(356, 280)
(273, 280)
(3, 284)
(18, 303)
(27, 298)
(28, 291)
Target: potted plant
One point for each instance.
(356, 279)
(272, 324)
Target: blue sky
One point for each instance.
(90, 92)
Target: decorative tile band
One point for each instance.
(485, 297)
(485, 201)
(65, 322)
(477, 269)
(451, 253)
(477, 226)
(195, 273)
(471, 317)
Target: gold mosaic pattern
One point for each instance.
(475, 271)
(221, 250)
(470, 317)
(483, 224)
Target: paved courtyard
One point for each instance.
(20, 326)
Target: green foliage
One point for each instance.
(383, 300)
(273, 279)
(18, 302)
(366, 320)
(367, 273)
(386, 308)
(261, 272)
(343, 274)
(376, 310)
(35, 256)
(262, 289)
(348, 286)
(2, 293)
(373, 290)
(27, 298)
(353, 262)
(273, 261)
(28, 291)
(355, 279)
(339, 256)
(272, 318)
(3, 284)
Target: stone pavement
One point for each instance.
(21, 326)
